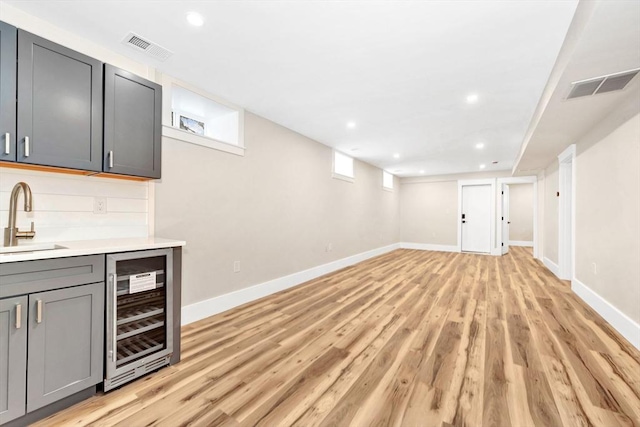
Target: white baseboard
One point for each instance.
(527, 243)
(620, 321)
(200, 310)
(552, 266)
(429, 247)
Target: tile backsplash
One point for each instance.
(63, 206)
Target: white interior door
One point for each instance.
(505, 218)
(476, 218)
(565, 224)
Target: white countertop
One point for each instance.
(91, 247)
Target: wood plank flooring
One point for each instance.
(410, 338)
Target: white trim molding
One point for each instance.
(518, 180)
(526, 243)
(617, 319)
(552, 266)
(429, 247)
(470, 182)
(538, 219)
(203, 309)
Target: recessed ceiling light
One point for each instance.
(482, 166)
(195, 19)
(472, 98)
(422, 171)
(480, 145)
(351, 125)
(396, 155)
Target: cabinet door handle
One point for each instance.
(27, 150)
(18, 316)
(114, 317)
(111, 159)
(39, 311)
(7, 143)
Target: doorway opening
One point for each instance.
(517, 219)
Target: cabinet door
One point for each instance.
(13, 357)
(66, 334)
(8, 46)
(132, 124)
(59, 105)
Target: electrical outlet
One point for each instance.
(329, 247)
(100, 205)
(595, 268)
(236, 266)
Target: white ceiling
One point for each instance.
(606, 41)
(400, 70)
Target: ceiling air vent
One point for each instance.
(609, 83)
(141, 44)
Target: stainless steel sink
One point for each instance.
(30, 248)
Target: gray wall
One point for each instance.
(275, 210)
(429, 213)
(429, 207)
(607, 200)
(608, 214)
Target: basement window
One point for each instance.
(342, 166)
(191, 115)
(387, 180)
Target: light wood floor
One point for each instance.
(409, 338)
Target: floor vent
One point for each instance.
(140, 44)
(603, 84)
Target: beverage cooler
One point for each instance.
(139, 314)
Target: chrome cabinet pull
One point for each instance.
(111, 159)
(27, 151)
(7, 143)
(39, 311)
(18, 316)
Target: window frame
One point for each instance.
(338, 175)
(384, 174)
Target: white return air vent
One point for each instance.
(143, 45)
(603, 84)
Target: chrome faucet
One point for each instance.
(11, 232)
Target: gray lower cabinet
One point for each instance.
(132, 124)
(13, 357)
(59, 105)
(51, 335)
(8, 52)
(64, 358)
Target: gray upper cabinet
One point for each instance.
(65, 343)
(13, 357)
(59, 105)
(132, 124)
(8, 58)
